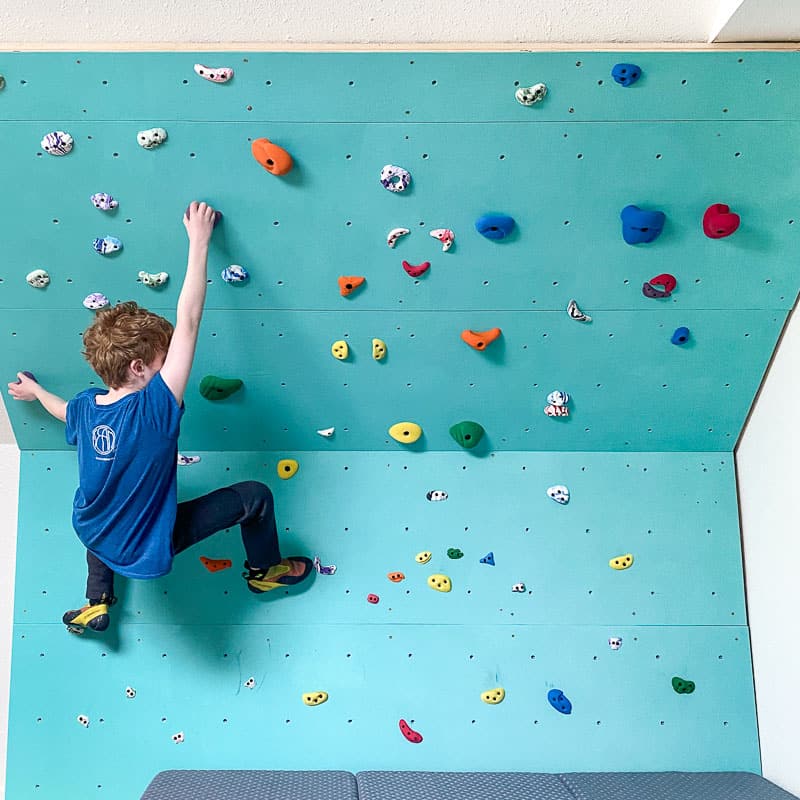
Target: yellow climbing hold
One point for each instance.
(493, 696)
(287, 468)
(378, 349)
(340, 350)
(314, 698)
(405, 432)
(621, 562)
(441, 583)
(424, 557)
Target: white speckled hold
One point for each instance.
(530, 95)
(445, 236)
(326, 432)
(153, 278)
(559, 493)
(57, 143)
(576, 314)
(152, 137)
(38, 278)
(95, 300)
(234, 274)
(214, 74)
(394, 234)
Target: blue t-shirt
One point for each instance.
(124, 508)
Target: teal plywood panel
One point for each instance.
(192, 680)
(630, 387)
(367, 513)
(346, 87)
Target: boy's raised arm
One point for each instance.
(199, 223)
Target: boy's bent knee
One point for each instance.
(253, 492)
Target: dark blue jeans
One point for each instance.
(249, 504)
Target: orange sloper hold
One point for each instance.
(349, 283)
(274, 159)
(216, 564)
(479, 339)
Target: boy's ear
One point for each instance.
(136, 366)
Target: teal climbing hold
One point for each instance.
(467, 433)
(214, 388)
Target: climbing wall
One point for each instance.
(196, 671)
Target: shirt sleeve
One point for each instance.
(160, 408)
(71, 431)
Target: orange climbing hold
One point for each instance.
(349, 283)
(479, 339)
(274, 159)
(216, 564)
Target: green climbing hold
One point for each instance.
(454, 552)
(467, 434)
(682, 686)
(214, 388)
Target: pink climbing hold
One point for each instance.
(719, 221)
(373, 598)
(412, 736)
(416, 270)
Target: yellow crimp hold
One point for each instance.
(621, 562)
(405, 432)
(378, 349)
(287, 468)
(493, 696)
(340, 350)
(441, 583)
(314, 698)
(424, 557)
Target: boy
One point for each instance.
(125, 510)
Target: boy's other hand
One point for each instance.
(23, 388)
(199, 222)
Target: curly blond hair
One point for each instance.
(121, 334)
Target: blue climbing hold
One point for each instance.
(681, 336)
(559, 701)
(494, 226)
(640, 227)
(488, 559)
(626, 74)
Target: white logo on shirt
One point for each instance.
(104, 440)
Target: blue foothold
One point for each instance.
(488, 559)
(681, 336)
(641, 227)
(494, 226)
(626, 74)
(559, 701)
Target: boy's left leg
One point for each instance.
(99, 593)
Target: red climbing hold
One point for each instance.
(719, 221)
(412, 736)
(349, 283)
(416, 271)
(216, 564)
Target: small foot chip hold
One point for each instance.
(411, 736)
(479, 340)
(394, 178)
(681, 336)
(494, 226)
(38, 278)
(185, 461)
(626, 74)
(494, 696)
(641, 227)
(467, 433)
(153, 279)
(719, 221)
(340, 350)
(488, 559)
(105, 245)
(665, 280)
(103, 201)
(415, 270)
(216, 564)
(395, 577)
(349, 283)
(287, 468)
(441, 583)
(250, 683)
(557, 404)
(518, 587)
(272, 157)
(178, 738)
(378, 349)
(559, 493)
(130, 692)
(454, 552)
(530, 95)
(575, 312)
(57, 143)
(621, 562)
(214, 74)
(615, 642)
(445, 236)
(373, 599)
(436, 495)
(682, 686)
(424, 557)
(559, 701)
(82, 719)
(394, 235)
(326, 433)
(314, 698)
(405, 432)
(321, 569)
(151, 138)
(215, 388)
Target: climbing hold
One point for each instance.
(153, 278)
(395, 577)
(559, 493)
(529, 95)
(576, 313)
(416, 270)
(557, 404)
(682, 686)
(372, 598)
(38, 278)
(214, 74)
(2, 82)
(315, 698)
(454, 552)
(214, 388)
(106, 245)
(287, 468)
(681, 336)
(326, 432)
(234, 274)
(665, 280)
(467, 433)
(340, 350)
(441, 583)
(518, 587)
(27, 375)
(405, 432)
(394, 234)
(394, 178)
(480, 339)
(445, 236)
(488, 559)
(559, 701)
(130, 692)
(83, 720)
(57, 143)
(621, 562)
(615, 642)
(186, 461)
(424, 557)
(412, 736)
(250, 683)
(626, 74)
(436, 495)
(493, 696)
(274, 159)
(95, 300)
(103, 201)
(216, 564)
(494, 226)
(178, 738)
(719, 221)
(348, 283)
(640, 227)
(152, 137)
(378, 349)
(322, 569)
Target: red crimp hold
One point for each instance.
(412, 736)
(719, 221)
(373, 598)
(416, 270)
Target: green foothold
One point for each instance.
(214, 388)
(682, 686)
(467, 434)
(454, 552)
